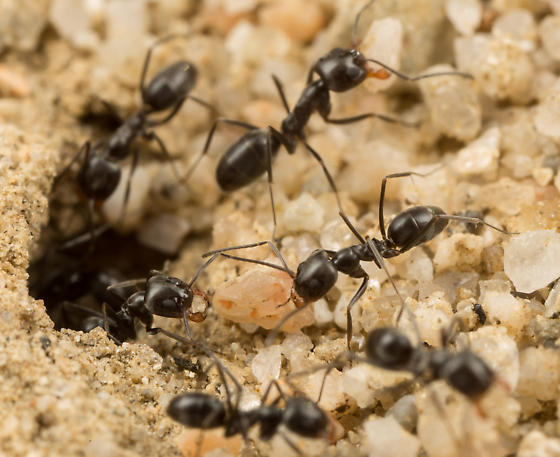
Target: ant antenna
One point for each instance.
(272, 247)
(355, 41)
(380, 261)
(416, 78)
(382, 193)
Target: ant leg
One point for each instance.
(382, 193)
(270, 338)
(449, 334)
(351, 227)
(84, 237)
(416, 78)
(169, 116)
(351, 303)
(379, 261)
(290, 443)
(474, 220)
(272, 247)
(127, 283)
(360, 117)
(149, 56)
(330, 179)
(280, 89)
(259, 262)
(85, 148)
(441, 411)
(202, 103)
(224, 120)
(270, 181)
(128, 183)
(153, 136)
(273, 383)
(201, 269)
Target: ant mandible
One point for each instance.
(100, 173)
(317, 274)
(253, 153)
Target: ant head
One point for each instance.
(304, 417)
(170, 85)
(198, 410)
(98, 177)
(167, 296)
(342, 69)
(467, 373)
(389, 348)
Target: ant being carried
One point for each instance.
(252, 154)
(317, 274)
(203, 411)
(100, 173)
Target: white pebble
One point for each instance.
(459, 251)
(303, 214)
(517, 25)
(465, 15)
(547, 116)
(481, 156)
(383, 42)
(532, 259)
(139, 187)
(552, 303)
(73, 19)
(539, 373)
(164, 232)
(386, 438)
(267, 363)
(453, 103)
(549, 32)
(499, 351)
(537, 444)
(502, 307)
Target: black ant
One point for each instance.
(203, 411)
(99, 174)
(252, 154)
(163, 295)
(317, 274)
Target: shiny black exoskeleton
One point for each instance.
(163, 295)
(299, 415)
(340, 70)
(466, 372)
(317, 274)
(99, 173)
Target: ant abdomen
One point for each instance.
(404, 228)
(170, 85)
(389, 348)
(197, 409)
(99, 177)
(467, 373)
(315, 276)
(244, 161)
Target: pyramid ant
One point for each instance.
(99, 174)
(252, 154)
(317, 274)
(203, 411)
